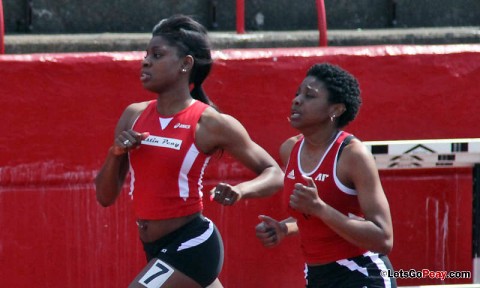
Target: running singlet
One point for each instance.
(167, 169)
(320, 244)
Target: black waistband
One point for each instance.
(174, 234)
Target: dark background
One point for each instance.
(93, 16)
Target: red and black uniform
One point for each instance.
(166, 172)
(166, 182)
(320, 244)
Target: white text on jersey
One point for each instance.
(321, 177)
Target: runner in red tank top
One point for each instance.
(168, 156)
(166, 144)
(332, 188)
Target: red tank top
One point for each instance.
(320, 244)
(167, 169)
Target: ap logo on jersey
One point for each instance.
(321, 177)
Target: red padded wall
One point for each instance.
(432, 221)
(57, 121)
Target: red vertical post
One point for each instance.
(322, 23)
(2, 30)
(240, 16)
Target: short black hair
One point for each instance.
(342, 87)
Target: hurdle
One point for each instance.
(437, 153)
(425, 153)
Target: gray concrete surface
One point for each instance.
(108, 42)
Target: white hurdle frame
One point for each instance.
(436, 153)
(463, 152)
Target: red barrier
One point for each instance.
(432, 221)
(2, 29)
(322, 23)
(59, 112)
(240, 12)
(321, 15)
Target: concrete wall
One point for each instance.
(437, 13)
(57, 121)
(91, 16)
